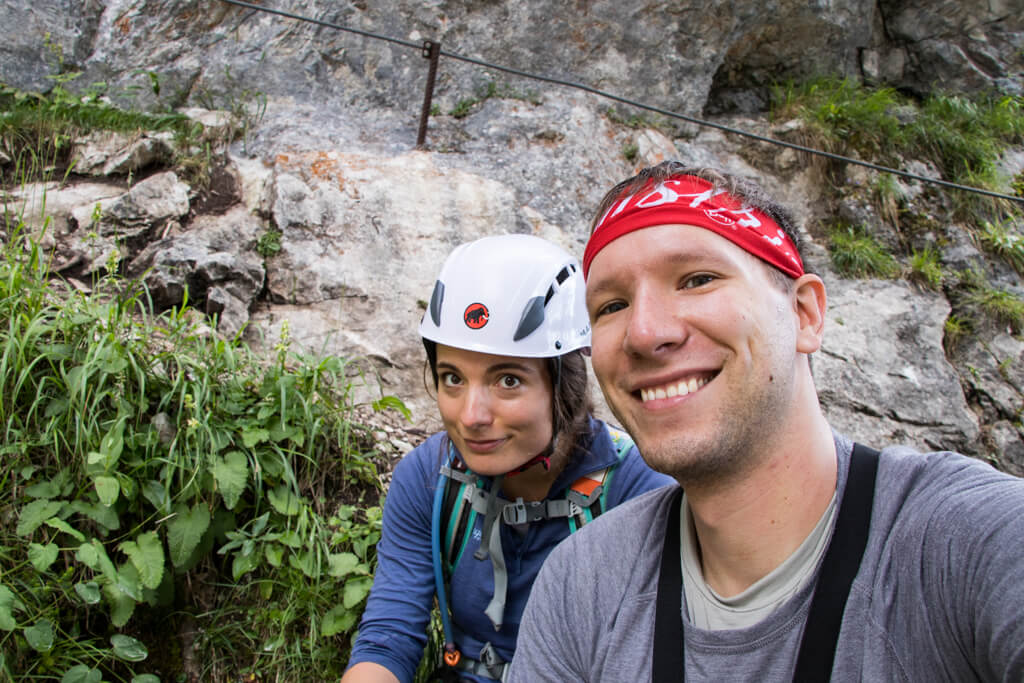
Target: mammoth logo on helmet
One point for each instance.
(475, 316)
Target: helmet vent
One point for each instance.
(563, 275)
(533, 316)
(436, 299)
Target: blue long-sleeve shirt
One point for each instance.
(392, 632)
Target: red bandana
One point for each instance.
(689, 200)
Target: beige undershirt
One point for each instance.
(709, 611)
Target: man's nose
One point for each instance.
(655, 325)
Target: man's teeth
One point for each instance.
(677, 389)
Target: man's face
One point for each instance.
(694, 346)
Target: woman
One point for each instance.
(473, 511)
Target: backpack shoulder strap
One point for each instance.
(457, 512)
(824, 620)
(838, 569)
(589, 493)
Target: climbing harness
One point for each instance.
(460, 497)
(838, 569)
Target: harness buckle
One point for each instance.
(515, 513)
(492, 661)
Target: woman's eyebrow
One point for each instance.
(511, 365)
(497, 367)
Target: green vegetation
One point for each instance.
(170, 506)
(1003, 308)
(1017, 185)
(36, 130)
(980, 307)
(955, 329)
(1002, 240)
(961, 137)
(925, 268)
(492, 88)
(630, 152)
(244, 105)
(855, 253)
(269, 243)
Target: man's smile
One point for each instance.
(675, 388)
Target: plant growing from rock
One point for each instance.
(955, 330)
(855, 253)
(1003, 240)
(960, 136)
(37, 129)
(1003, 308)
(925, 268)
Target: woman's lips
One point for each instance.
(483, 445)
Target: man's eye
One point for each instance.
(611, 307)
(450, 379)
(510, 381)
(698, 280)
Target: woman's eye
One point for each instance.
(510, 381)
(450, 379)
(698, 280)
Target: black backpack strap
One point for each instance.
(838, 569)
(667, 660)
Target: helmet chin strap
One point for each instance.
(542, 458)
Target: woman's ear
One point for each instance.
(811, 302)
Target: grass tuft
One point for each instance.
(1002, 240)
(856, 254)
(925, 268)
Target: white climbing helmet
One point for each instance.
(510, 295)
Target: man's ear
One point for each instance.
(811, 302)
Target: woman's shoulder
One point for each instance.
(422, 463)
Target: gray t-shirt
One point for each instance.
(706, 609)
(939, 595)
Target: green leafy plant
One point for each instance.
(269, 243)
(155, 477)
(855, 253)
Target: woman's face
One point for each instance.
(496, 409)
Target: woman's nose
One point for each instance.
(476, 409)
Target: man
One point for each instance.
(788, 557)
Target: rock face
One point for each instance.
(676, 55)
(333, 222)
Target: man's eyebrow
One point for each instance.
(691, 257)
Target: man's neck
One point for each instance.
(748, 526)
